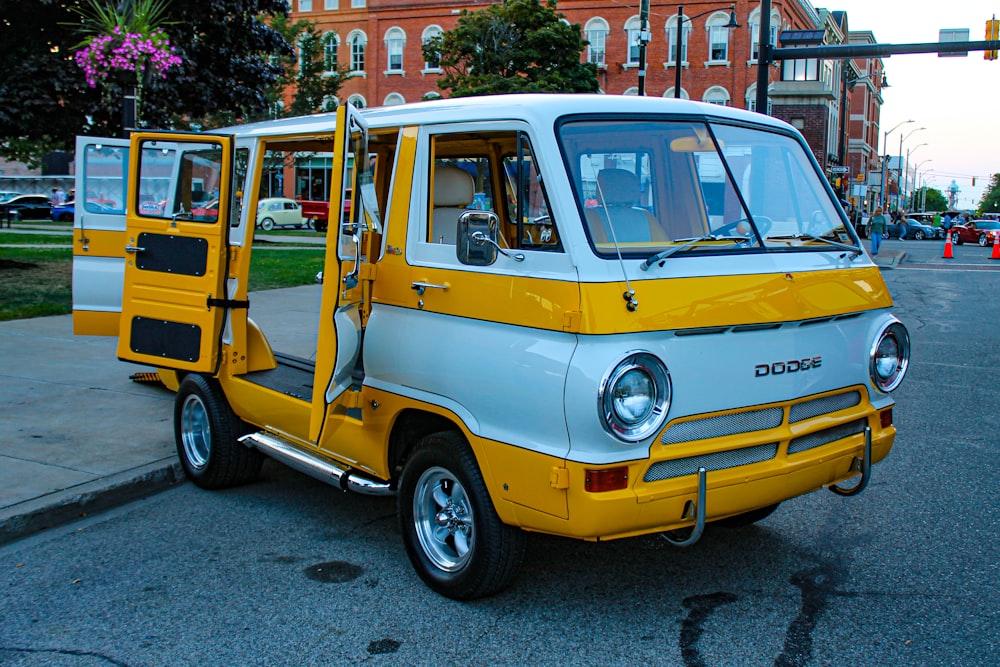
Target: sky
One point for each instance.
(956, 99)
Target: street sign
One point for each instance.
(953, 35)
(839, 170)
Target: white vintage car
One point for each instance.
(279, 212)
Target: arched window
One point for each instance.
(431, 95)
(751, 99)
(632, 40)
(596, 32)
(358, 41)
(716, 95)
(430, 32)
(669, 92)
(301, 43)
(671, 29)
(358, 101)
(392, 99)
(718, 37)
(330, 43)
(330, 103)
(395, 43)
(754, 26)
(632, 92)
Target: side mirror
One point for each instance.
(477, 237)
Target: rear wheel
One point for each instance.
(956, 238)
(267, 224)
(982, 240)
(206, 432)
(453, 535)
(918, 235)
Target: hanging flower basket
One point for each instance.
(110, 55)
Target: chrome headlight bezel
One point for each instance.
(887, 374)
(648, 369)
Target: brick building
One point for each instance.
(380, 42)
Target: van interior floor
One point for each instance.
(293, 376)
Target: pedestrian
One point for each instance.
(58, 196)
(877, 227)
(902, 224)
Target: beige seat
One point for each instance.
(454, 189)
(618, 207)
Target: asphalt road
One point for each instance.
(291, 572)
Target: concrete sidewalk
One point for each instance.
(78, 436)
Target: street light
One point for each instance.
(885, 162)
(918, 183)
(899, 170)
(732, 25)
(906, 173)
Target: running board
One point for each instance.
(292, 456)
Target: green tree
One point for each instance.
(229, 55)
(514, 46)
(934, 200)
(990, 203)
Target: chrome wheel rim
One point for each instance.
(196, 433)
(442, 517)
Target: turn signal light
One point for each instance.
(885, 418)
(606, 479)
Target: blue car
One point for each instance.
(63, 212)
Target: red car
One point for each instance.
(318, 212)
(983, 232)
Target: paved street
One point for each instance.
(289, 571)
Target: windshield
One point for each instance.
(648, 186)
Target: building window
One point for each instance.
(395, 42)
(718, 38)
(716, 95)
(669, 92)
(357, 4)
(800, 70)
(430, 32)
(755, 34)
(672, 41)
(330, 4)
(393, 99)
(596, 32)
(357, 101)
(751, 99)
(632, 39)
(330, 43)
(305, 5)
(358, 42)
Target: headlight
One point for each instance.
(890, 356)
(634, 397)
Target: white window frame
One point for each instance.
(328, 39)
(671, 33)
(714, 27)
(358, 43)
(395, 47)
(717, 95)
(596, 33)
(632, 30)
(429, 33)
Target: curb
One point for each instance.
(65, 506)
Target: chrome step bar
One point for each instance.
(328, 472)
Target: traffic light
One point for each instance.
(992, 33)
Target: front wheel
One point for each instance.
(918, 235)
(982, 240)
(206, 432)
(956, 238)
(453, 535)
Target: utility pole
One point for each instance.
(643, 38)
(763, 56)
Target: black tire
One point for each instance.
(747, 518)
(453, 536)
(918, 235)
(956, 238)
(320, 225)
(982, 240)
(267, 224)
(206, 432)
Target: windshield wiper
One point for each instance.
(853, 249)
(663, 254)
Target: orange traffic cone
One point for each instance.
(947, 247)
(996, 247)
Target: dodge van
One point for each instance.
(596, 317)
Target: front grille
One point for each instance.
(723, 425)
(826, 436)
(715, 461)
(823, 405)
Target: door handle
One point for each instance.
(132, 249)
(420, 288)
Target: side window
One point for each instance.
(103, 179)
(179, 180)
(489, 171)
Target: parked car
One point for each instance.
(914, 230)
(63, 212)
(982, 232)
(318, 212)
(7, 194)
(26, 207)
(279, 212)
(928, 220)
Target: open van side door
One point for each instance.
(99, 234)
(177, 251)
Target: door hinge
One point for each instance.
(228, 303)
(559, 478)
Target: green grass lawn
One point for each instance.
(35, 282)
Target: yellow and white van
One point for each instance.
(589, 316)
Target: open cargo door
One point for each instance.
(176, 243)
